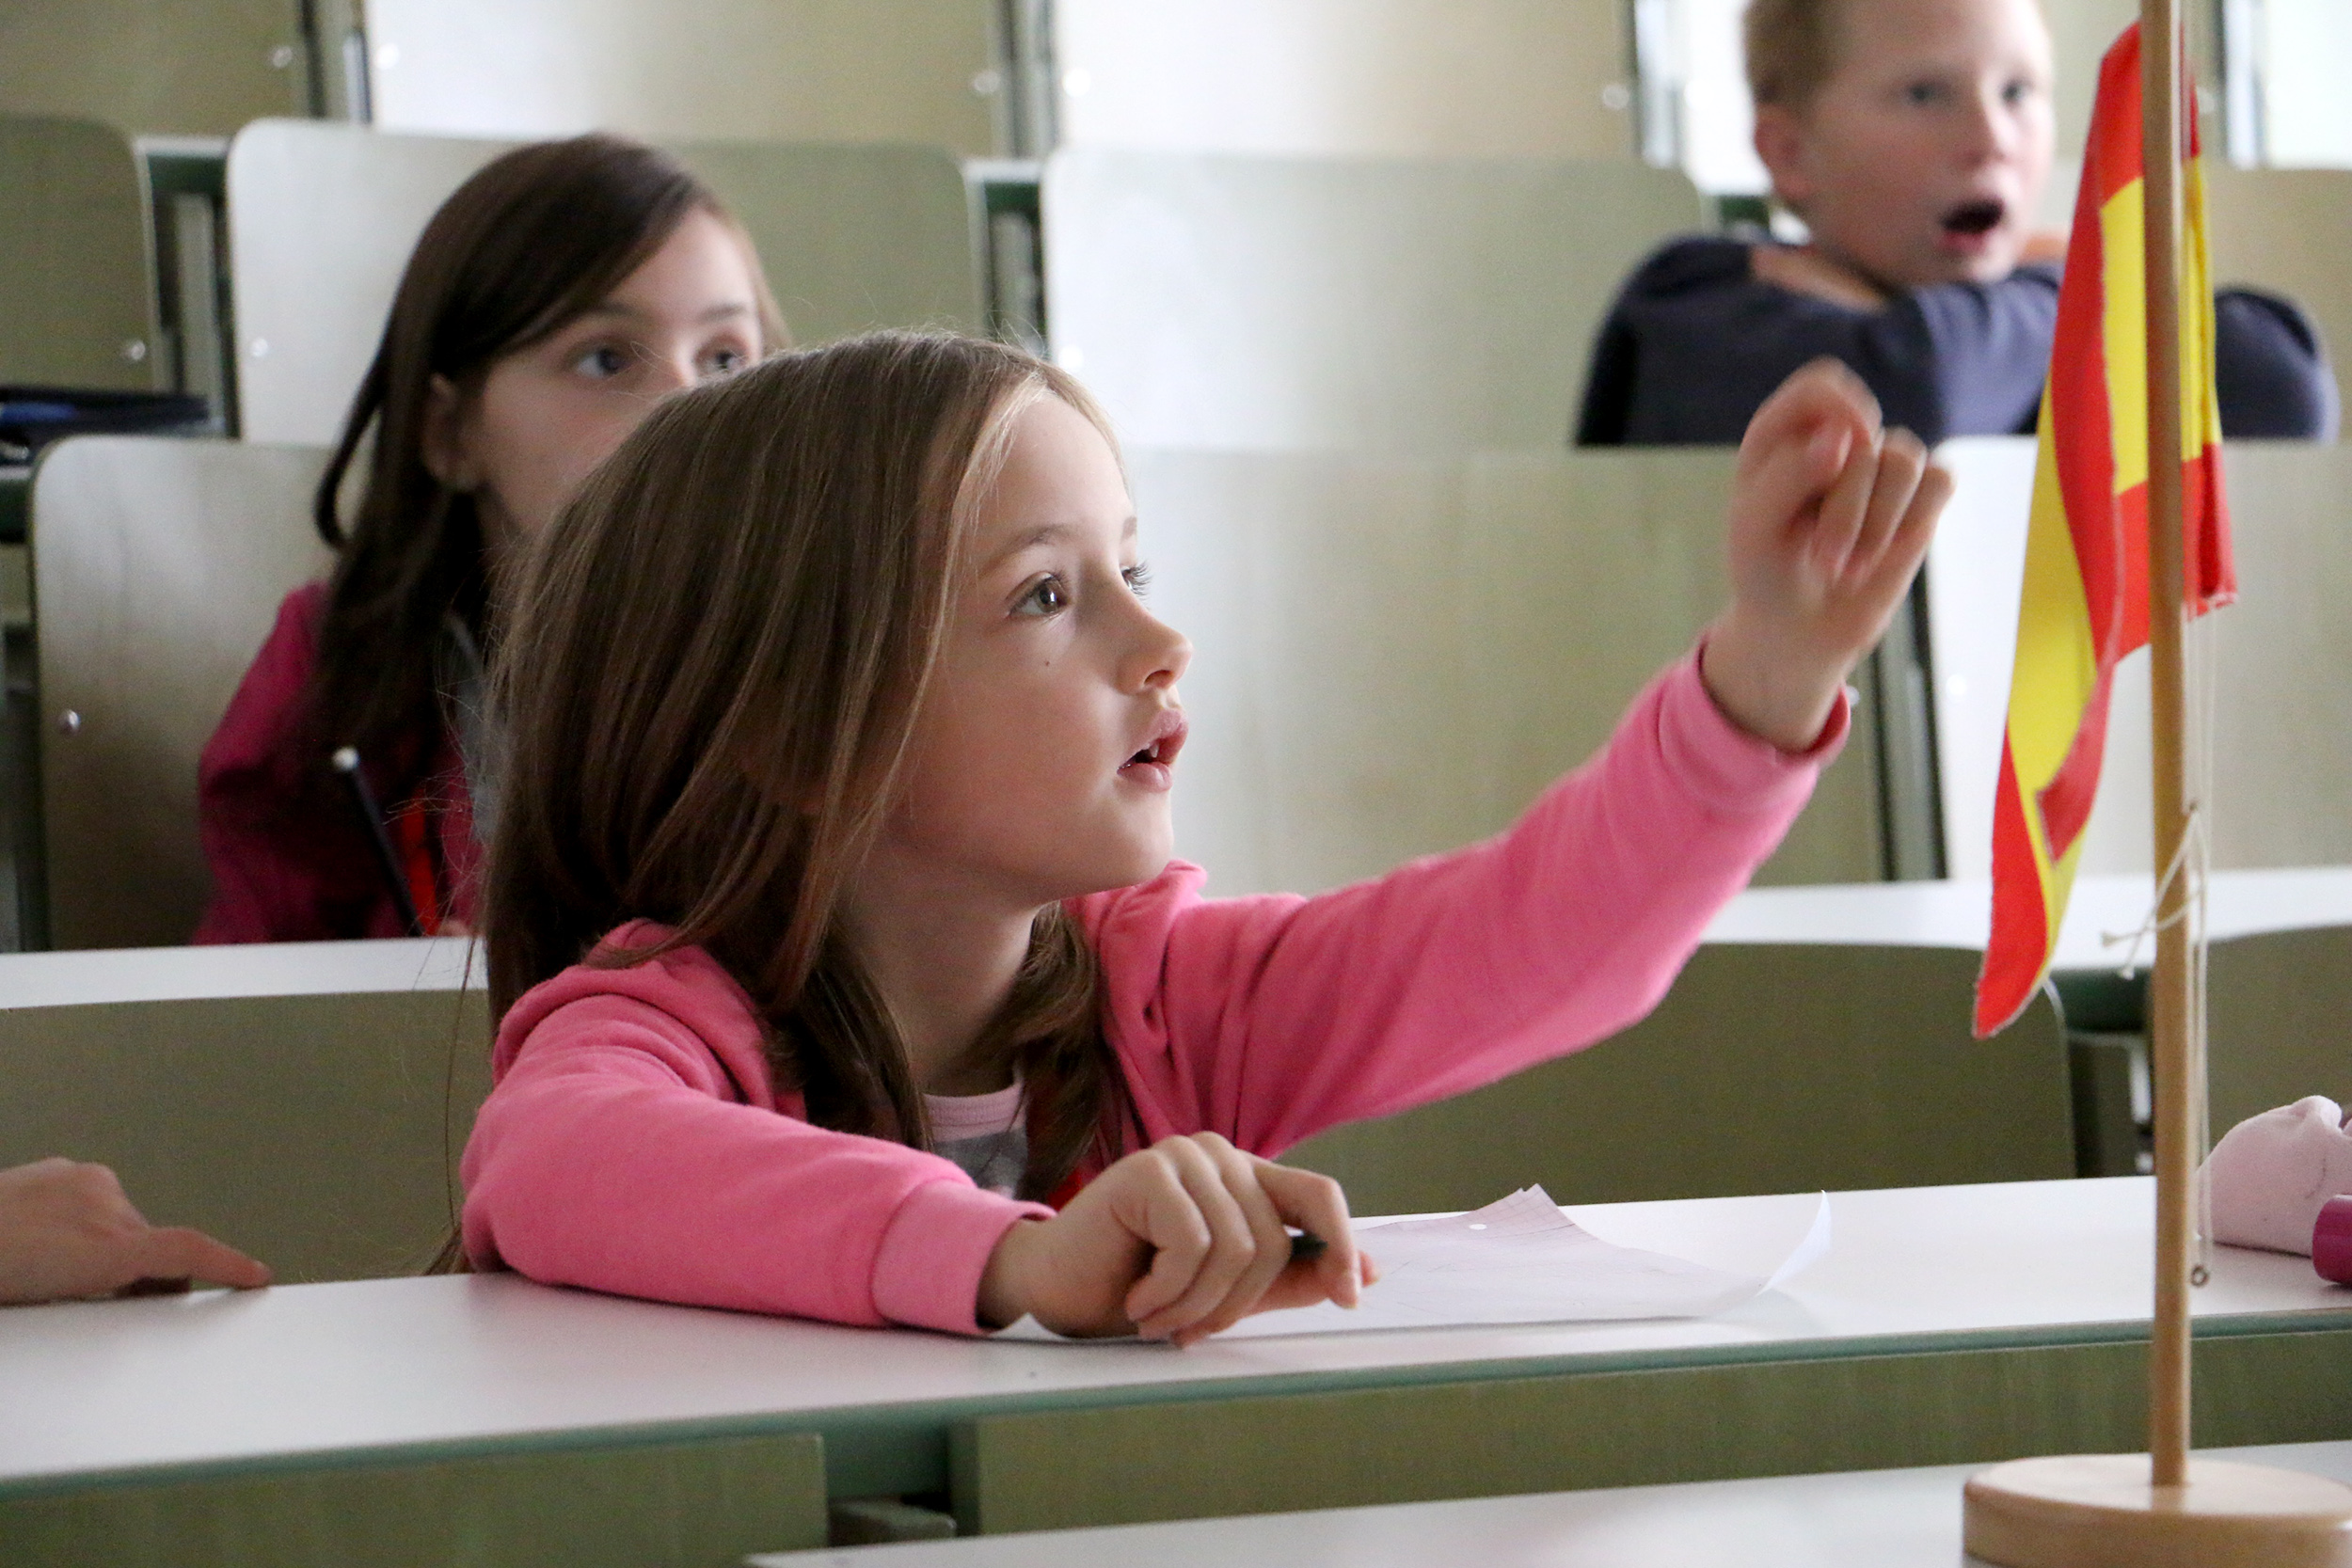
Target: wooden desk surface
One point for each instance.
(216, 1382)
(1883, 1518)
(1958, 913)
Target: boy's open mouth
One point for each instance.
(1974, 219)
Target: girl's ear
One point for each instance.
(1780, 144)
(447, 453)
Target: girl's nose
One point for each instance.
(1161, 655)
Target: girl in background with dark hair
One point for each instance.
(553, 299)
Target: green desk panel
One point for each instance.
(671, 1505)
(1132, 1463)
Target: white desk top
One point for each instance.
(220, 1379)
(1959, 914)
(1929, 914)
(1881, 1518)
(259, 969)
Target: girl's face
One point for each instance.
(1044, 750)
(547, 415)
(1922, 157)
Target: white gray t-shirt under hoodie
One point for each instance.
(983, 1134)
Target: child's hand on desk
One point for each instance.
(67, 1230)
(1176, 1242)
(1830, 518)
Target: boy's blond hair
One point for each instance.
(1792, 49)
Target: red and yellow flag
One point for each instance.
(2085, 603)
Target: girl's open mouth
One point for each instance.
(1152, 763)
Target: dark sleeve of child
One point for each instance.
(1696, 344)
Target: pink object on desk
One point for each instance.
(2331, 1241)
(2271, 1174)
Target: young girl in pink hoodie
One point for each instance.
(843, 968)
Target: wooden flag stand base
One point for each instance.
(2098, 1511)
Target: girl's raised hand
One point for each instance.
(1176, 1242)
(1830, 518)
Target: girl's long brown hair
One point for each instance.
(710, 681)
(519, 251)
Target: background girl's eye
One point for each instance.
(1923, 94)
(603, 362)
(724, 361)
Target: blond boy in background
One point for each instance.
(1913, 138)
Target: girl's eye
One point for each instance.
(724, 361)
(1044, 596)
(1139, 579)
(1924, 94)
(602, 362)
(2016, 93)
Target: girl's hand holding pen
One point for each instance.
(1830, 518)
(1177, 1242)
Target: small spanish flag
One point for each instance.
(2085, 603)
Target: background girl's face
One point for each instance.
(1041, 767)
(549, 414)
(1922, 157)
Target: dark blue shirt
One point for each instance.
(1696, 344)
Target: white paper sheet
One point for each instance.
(1517, 1260)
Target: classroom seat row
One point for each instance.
(1225, 301)
(1520, 601)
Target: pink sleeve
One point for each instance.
(1269, 1019)
(616, 1153)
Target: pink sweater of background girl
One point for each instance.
(633, 1142)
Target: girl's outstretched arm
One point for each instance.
(1269, 1019)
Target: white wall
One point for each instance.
(1470, 78)
(2305, 52)
(793, 69)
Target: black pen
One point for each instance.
(347, 762)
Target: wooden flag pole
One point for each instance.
(2161, 1508)
(2169, 990)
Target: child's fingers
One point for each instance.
(1787, 481)
(1901, 461)
(1317, 1205)
(1194, 1284)
(1155, 1207)
(1908, 545)
(1823, 393)
(178, 1253)
(1270, 1242)
(1839, 524)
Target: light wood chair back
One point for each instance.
(158, 565)
(2280, 657)
(1385, 305)
(1392, 656)
(322, 219)
(1767, 1069)
(78, 305)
